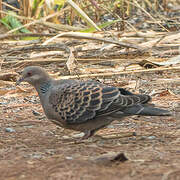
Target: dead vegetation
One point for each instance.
(139, 52)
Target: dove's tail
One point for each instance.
(146, 111)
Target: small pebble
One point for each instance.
(134, 134)
(78, 135)
(3, 103)
(151, 137)
(65, 137)
(143, 137)
(36, 156)
(28, 126)
(110, 126)
(36, 113)
(50, 151)
(69, 157)
(132, 138)
(10, 130)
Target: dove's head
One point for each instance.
(33, 75)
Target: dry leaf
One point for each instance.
(71, 63)
(8, 77)
(109, 158)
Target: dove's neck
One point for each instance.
(43, 88)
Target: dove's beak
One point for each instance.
(18, 82)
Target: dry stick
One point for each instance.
(57, 47)
(147, 34)
(137, 5)
(72, 35)
(79, 36)
(12, 7)
(167, 38)
(4, 36)
(61, 27)
(0, 8)
(118, 73)
(62, 60)
(17, 16)
(119, 18)
(35, 61)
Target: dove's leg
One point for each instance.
(88, 134)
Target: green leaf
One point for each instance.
(5, 22)
(11, 22)
(15, 23)
(104, 25)
(59, 2)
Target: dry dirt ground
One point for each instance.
(31, 147)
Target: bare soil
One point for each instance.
(31, 147)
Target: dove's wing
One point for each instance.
(81, 101)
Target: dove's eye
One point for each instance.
(29, 74)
